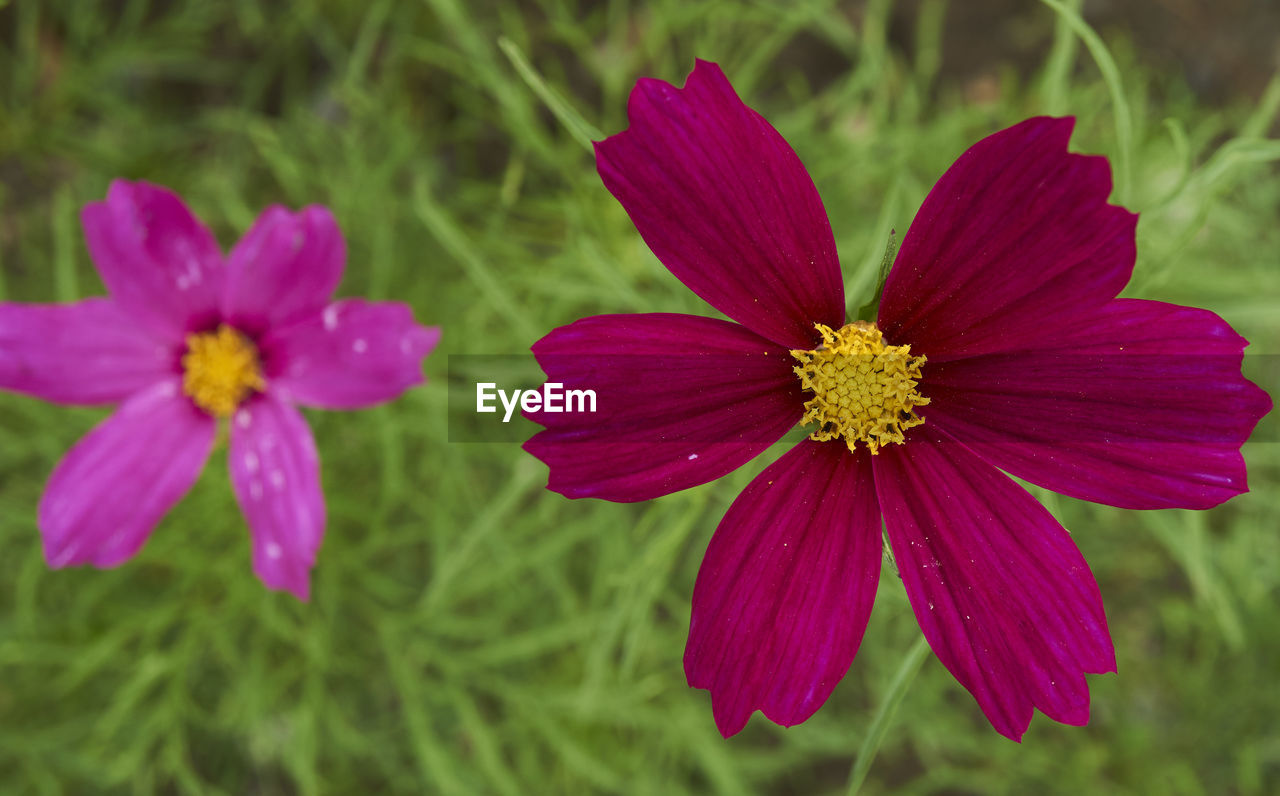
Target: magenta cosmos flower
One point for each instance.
(1000, 345)
(186, 339)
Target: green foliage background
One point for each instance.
(471, 632)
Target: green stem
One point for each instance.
(1115, 86)
(583, 131)
(884, 716)
(869, 311)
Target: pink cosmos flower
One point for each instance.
(185, 339)
(999, 345)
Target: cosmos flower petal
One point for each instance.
(285, 268)
(114, 485)
(1015, 240)
(352, 354)
(680, 400)
(88, 352)
(160, 264)
(1140, 405)
(786, 587)
(275, 473)
(1003, 596)
(726, 205)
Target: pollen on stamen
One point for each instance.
(220, 370)
(863, 390)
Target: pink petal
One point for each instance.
(114, 485)
(1140, 405)
(160, 264)
(354, 353)
(284, 269)
(786, 587)
(726, 205)
(88, 352)
(1003, 596)
(1014, 240)
(680, 400)
(276, 476)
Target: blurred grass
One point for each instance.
(471, 632)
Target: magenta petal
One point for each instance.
(284, 269)
(157, 260)
(680, 400)
(1139, 404)
(89, 352)
(786, 587)
(1015, 239)
(114, 485)
(726, 205)
(354, 353)
(1003, 596)
(276, 476)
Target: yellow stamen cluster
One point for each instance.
(864, 390)
(220, 369)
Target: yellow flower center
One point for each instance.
(863, 390)
(220, 369)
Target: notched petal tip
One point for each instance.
(111, 489)
(1014, 239)
(354, 353)
(726, 205)
(135, 193)
(423, 340)
(998, 587)
(1139, 404)
(285, 268)
(275, 473)
(157, 259)
(786, 588)
(297, 584)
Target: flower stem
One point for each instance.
(884, 716)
